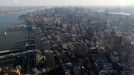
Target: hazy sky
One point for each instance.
(66, 2)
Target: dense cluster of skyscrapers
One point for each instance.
(73, 41)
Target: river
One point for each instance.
(8, 20)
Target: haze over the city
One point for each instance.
(66, 2)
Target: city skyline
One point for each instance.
(66, 2)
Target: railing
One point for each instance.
(12, 53)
